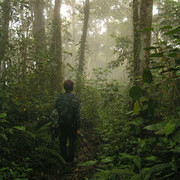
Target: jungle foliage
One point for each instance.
(133, 126)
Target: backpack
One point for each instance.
(54, 126)
(54, 119)
(65, 110)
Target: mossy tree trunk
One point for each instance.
(56, 50)
(82, 49)
(142, 23)
(40, 45)
(4, 38)
(39, 26)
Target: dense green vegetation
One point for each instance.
(131, 124)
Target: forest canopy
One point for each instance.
(124, 58)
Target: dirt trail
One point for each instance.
(84, 152)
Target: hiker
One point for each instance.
(68, 108)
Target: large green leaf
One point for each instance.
(147, 76)
(4, 136)
(128, 156)
(147, 177)
(158, 167)
(87, 163)
(137, 162)
(151, 158)
(136, 108)
(106, 160)
(136, 177)
(31, 134)
(156, 126)
(2, 115)
(21, 128)
(156, 55)
(56, 154)
(135, 92)
(3, 120)
(166, 27)
(45, 127)
(169, 128)
(173, 31)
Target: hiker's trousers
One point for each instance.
(67, 149)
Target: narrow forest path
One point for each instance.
(85, 151)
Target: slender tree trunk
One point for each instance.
(56, 50)
(82, 48)
(49, 10)
(96, 45)
(73, 31)
(4, 33)
(23, 51)
(142, 22)
(136, 25)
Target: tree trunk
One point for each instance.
(136, 26)
(142, 22)
(39, 26)
(73, 31)
(56, 50)
(82, 48)
(4, 33)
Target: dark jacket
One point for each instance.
(75, 104)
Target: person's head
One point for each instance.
(68, 86)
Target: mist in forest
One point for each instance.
(106, 22)
(113, 65)
(104, 28)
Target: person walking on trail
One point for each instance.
(68, 108)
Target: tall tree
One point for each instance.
(56, 49)
(4, 33)
(73, 30)
(38, 25)
(82, 48)
(142, 22)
